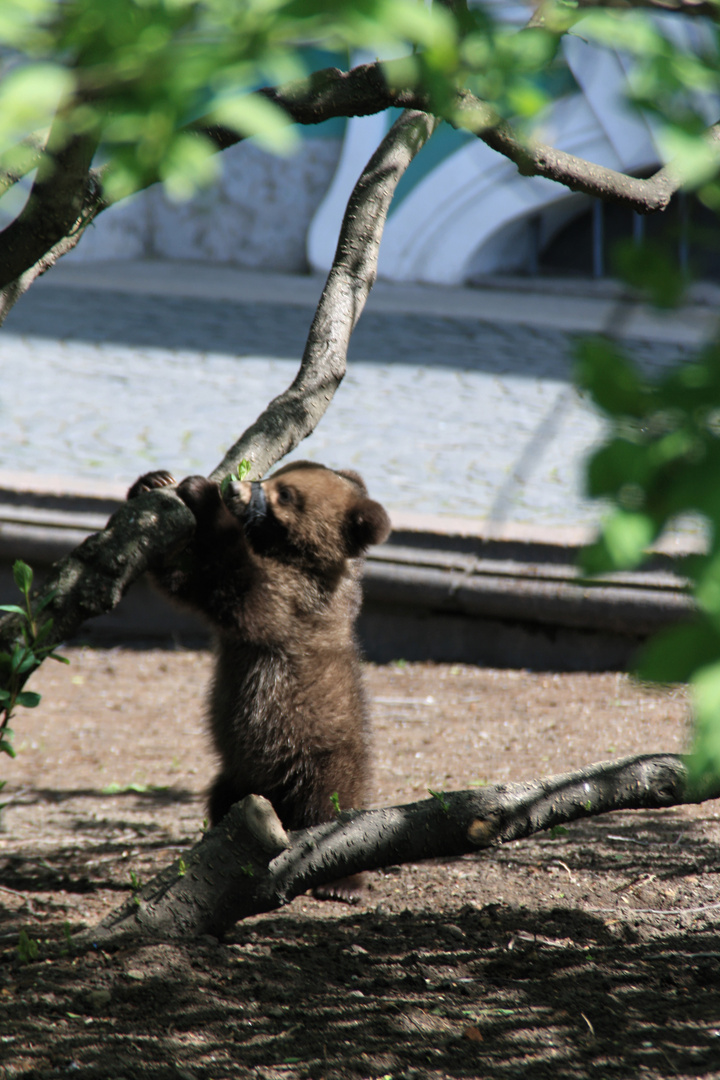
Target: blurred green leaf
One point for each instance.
(254, 115)
(697, 158)
(28, 699)
(615, 465)
(674, 654)
(188, 164)
(613, 381)
(622, 544)
(704, 761)
(651, 269)
(29, 97)
(22, 575)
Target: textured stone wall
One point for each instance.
(257, 215)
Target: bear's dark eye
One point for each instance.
(284, 496)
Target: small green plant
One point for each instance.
(242, 471)
(27, 654)
(133, 789)
(134, 881)
(557, 831)
(27, 948)
(182, 867)
(67, 950)
(440, 796)
(335, 800)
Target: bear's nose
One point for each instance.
(240, 490)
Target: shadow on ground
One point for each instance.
(490, 992)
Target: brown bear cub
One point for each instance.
(275, 567)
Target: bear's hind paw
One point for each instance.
(347, 890)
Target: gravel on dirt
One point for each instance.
(593, 952)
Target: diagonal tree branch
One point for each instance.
(248, 864)
(293, 415)
(92, 579)
(53, 209)
(368, 88)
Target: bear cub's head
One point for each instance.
(308, 511)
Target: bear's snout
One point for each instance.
(239, 491)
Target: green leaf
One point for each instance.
(29, 663)
(29, 97)
(612, 379)
(22, 575)
(616, 464)
(43, 631)
(28, 699)
(7, 748)
(622, 544)
(674, 654)
(189, 163)
(704, 761)
(46, 600)
(256, 116)
(697, 158)
(651, 269)
(244, 468)
(18, 655)
(14, 609)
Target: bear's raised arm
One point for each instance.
(208, 574)
(270, 556)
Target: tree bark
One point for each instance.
(248, 864)
(55, 205)
(295, 413)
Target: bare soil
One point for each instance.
(594, 953)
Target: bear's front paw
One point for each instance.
(199, 494)
(158, 479)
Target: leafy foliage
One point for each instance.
(133, 74)
(244, 469)
(660, 463)
(674, 85)
(28, 948)
(27, 654)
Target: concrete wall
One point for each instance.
(257, 215)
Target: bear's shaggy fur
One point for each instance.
(274, 567)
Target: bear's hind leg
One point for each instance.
(224, 793)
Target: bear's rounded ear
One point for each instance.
(367, 523)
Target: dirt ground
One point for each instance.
(591, 954)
